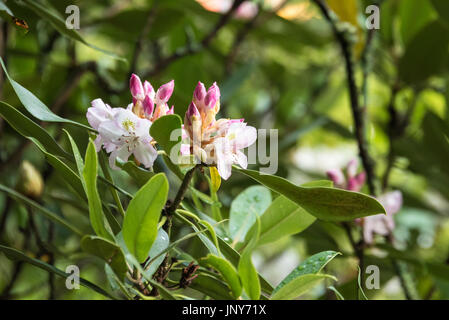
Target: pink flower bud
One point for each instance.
(212, 96)
(361, 178)
(165, 91)
(200, 92)
(148, 89)
(353, 185)
(337, 176)
(351, 169)
(172, 110)
(148, 106)
(135, 85)
(192, 112)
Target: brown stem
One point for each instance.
(357, 112)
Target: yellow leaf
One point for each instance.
(215, 179)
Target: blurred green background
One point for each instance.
(279, 66)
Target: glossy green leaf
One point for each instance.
(14, 254)
(72, 180)
(108, 251)
(299, 286)
(311, 265)
(29, 129)
(90, 172)
(248, 205)
(425, 55)
(442, 8)
(142, 216)
(167, 132)
(212, 287)
(34, 106)
(411, 22)
(228, 272)
(140, 175)
(247, 272)
(234, 257)
(44, 211)
(325, 203)
(76, 153)
(284, 217)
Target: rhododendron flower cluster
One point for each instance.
(392, 201)
(215, 141)
(123, 132)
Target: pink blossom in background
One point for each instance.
(381, 224)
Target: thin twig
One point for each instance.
(357, 112)
(205, 42)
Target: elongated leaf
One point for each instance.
(108, 251)
(427, 51)
(248, 205)
(215, 179)
(29, 129)
(14, 254)
(324, 203)
(212, 287)
(34, 106)
(228, 272)
(142, 216)
(140, 175)
(90, 172)
(311, 265)
(76, 153)
(299, 286)
(47, 213)
(59, 24)
(284, 217)
(247, 272)
(167, 132)
(71, 178)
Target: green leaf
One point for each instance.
(29, 129)
(140, 175)
(90, 172)
(59, 24)
(142, 216)
(299, 286)
(46, 213)
(325, 203)
(411, 22)
(159, 245)
(108, 251)
(442, 8)
(247, 272)
(426, 51)
(215, 179)
(34, 106)
(76, 153)
(234, 257)
(228, 272)
(167, 132)
(14, 254)
(248, 205)
(212, 287)
(284, 217)
(73, 181)
(312, 265)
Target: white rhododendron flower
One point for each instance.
(128, 134)
(215, 142)
(125, 132)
